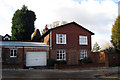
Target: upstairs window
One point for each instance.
(83, 40)
(60, 38)
(83, 54)
(61, 55)
(13, 53)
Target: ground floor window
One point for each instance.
(13, 53)
(61, 55)
(83, 54)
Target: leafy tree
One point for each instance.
(116, 34)
(23, 24)
(96, 47)
(36, 35)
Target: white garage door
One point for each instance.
(36, 59)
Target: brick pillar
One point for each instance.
(107, 59)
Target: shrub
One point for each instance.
(51, 62)
(85, 60)
(110, 50)
(61, 62)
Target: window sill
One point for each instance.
(60, 43)
(13, 56)
(83, 44)
(60, 60)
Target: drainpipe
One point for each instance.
(23, 57)
(50, 44)
(49, 52)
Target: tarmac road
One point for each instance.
(54, 74)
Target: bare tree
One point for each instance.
(57, 23)
(107, 45)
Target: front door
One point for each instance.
(73, 59)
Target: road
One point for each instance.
(54, 74)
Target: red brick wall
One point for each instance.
(46, 39)
(72, 39)
(98, 57)
(109, 59)
(71, 59)
(112, 59)
(17, 62)
(72, 34)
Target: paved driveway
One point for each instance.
(47, 74)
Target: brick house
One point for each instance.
(6, 37)
(18, 54)
(70, 42)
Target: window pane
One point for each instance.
(11, 54)
(57, 52)
(60, 51)
(60, 35)
(15, 53)
(83, 54)
(61, 57)
(11, 51)
(63, 52)
(60, 40)
(57, 56)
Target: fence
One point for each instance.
(110, 59)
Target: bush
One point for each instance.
(110, 50)
(85, 60)
(51, 62)
(61, 62)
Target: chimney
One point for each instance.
(45, 29)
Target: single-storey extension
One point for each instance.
(24, 54)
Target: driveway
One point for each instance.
(54, 74)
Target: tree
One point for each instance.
(23, 24)
(96, 47)
(116, 34)
(36, 35)
(107, 45)
(45, 29)
(53, 25)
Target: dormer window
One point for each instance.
(60, 38)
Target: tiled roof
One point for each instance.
(65, 25)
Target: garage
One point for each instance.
(36, 59)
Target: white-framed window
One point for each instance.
(83, 54)
(13, 52)
(60, 38)
(83, 40)
(61, 55)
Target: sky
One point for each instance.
(96, 15)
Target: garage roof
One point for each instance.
(25, 44)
